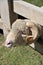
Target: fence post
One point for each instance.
(7, 15)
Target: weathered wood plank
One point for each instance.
(1, 24)
(15, 14)
(5, 17)
(38, 46)
(7, 14)
(29, 11)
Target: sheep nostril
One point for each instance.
(8, 43)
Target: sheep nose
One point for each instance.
(8, 43)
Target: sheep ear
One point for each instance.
(29, 38)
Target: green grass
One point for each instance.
(21, 55)
(35, 2)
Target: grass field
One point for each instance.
(21, 55)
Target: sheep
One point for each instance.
(25, 30)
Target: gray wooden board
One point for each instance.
(29, 11)
(38, 46)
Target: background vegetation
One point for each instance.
(35, 2)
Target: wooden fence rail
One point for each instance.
(29, 11)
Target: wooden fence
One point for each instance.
(9, 10)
